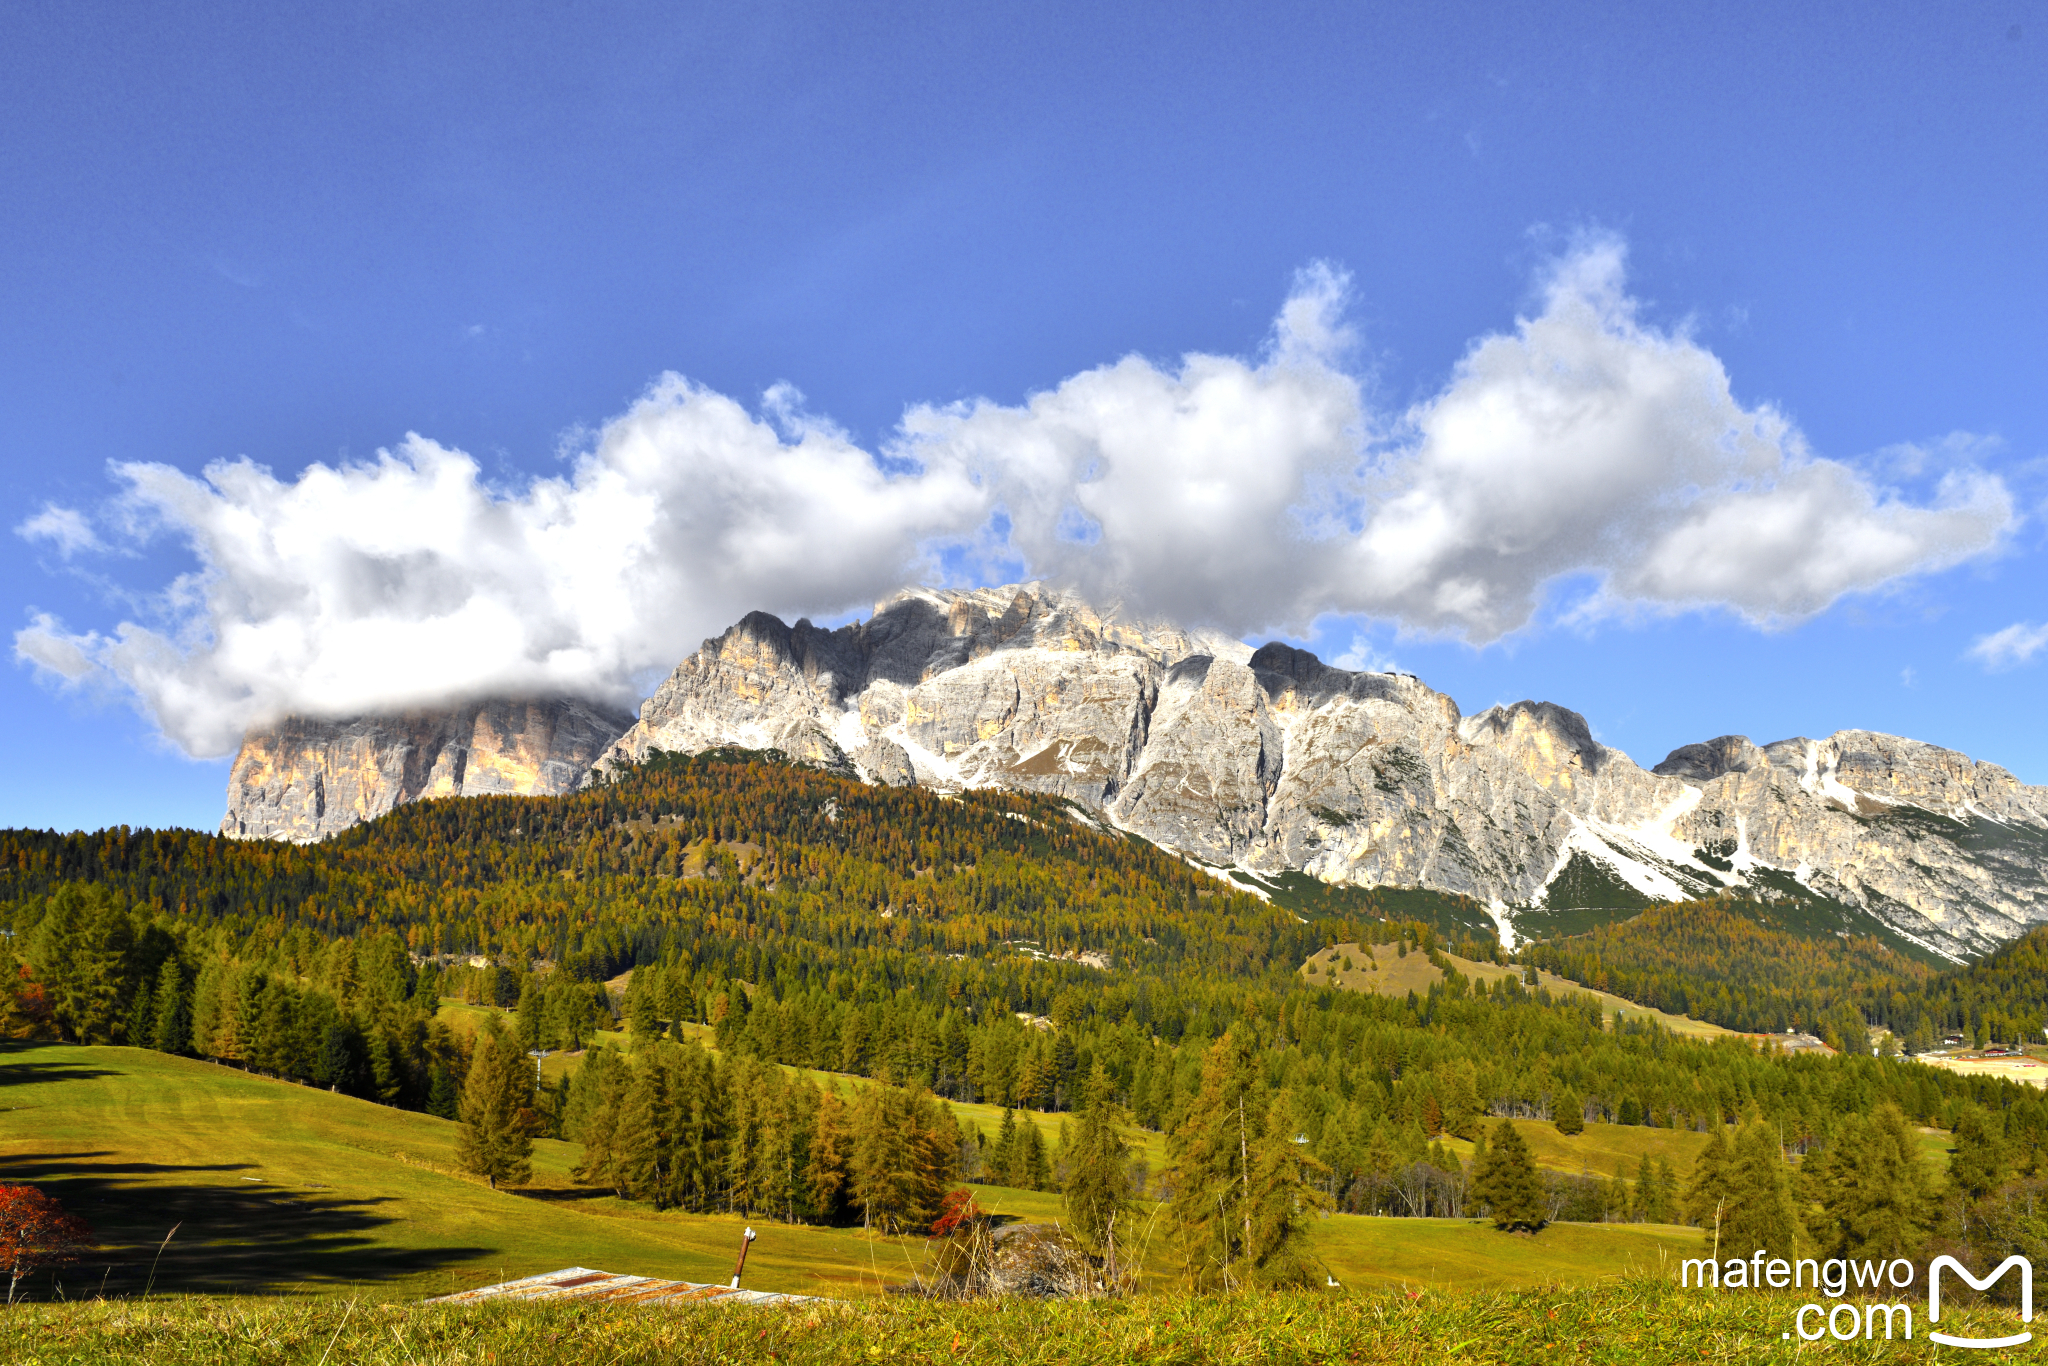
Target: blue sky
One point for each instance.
(237, 233)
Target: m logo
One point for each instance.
(2026, 1299)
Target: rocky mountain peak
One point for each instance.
(1542, 736)
(306, 778)
(1710, 759)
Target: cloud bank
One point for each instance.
(1238, 492)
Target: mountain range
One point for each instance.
(1264, 765)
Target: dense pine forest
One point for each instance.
(987, 947)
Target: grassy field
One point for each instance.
(2028, 1070)
(280, 1187)
(276, 1188)
(1619, 1323)
(1600, 1147)
(1382, 969)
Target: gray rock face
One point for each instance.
(1020, 687)
(305, 779)
(1274, 761)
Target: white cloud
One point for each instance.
(2015, 645)
(46, 645)
(1192, 492)
(1586, 441)
(1361, 657)
(409, 581)
(66, 528)
(1244, 493)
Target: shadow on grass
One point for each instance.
(27, 1073)
(233, 1236)
(561, 1195)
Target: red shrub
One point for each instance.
(36, 1233)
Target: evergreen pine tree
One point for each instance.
(1097, 1191)
(1035, 1167)
(1211, 1164)
(1875, 1194)
(1508, 1184)
(1066, 1060)
(79, 952)
(1001, 1157)
(1472, 1171)
(631, 1145)
(729, 1017)
(336, 1065)
(1759, 1213)
(493, 1141)
(1982, 1160)
(530, 1014)
(1706, 1191)
(1664, 1193)
(642, 1008)
(387, 1079)
(141, 1016)
(171, 1030)
(443, 1097)
(1286, 1195)
(1571, 1112)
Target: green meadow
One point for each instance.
(1616, 1323)
(275, 1188)
(1385, 971)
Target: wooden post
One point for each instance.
(746, 1241)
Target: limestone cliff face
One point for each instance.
(1274, 761)
(1937, 844)
(306, 779)
(1020, 686)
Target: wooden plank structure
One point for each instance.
(583, 1283)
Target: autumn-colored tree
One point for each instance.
(36, 1234)
(24, 1005)
(826, 1164)
(957, 1212)
(905, 1152)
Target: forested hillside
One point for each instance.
(2003, 995)
(1719, 961)
(1724, 962)
(991, 947)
